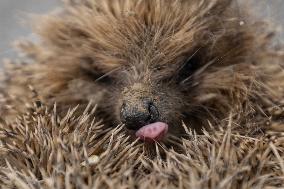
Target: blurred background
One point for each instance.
(14, 12)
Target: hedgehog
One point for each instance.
(158, 67)
(205, 76)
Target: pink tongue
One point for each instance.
(155, 131)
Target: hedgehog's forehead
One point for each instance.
(117, 33)
(133, 41)
(134, 32)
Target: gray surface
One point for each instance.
(14, 12)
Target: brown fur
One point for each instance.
(121, 50)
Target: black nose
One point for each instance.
(138, 114)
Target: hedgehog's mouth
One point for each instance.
(152, 132)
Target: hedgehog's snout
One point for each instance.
(139, 113)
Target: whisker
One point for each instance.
(203, 68)
(188, 59)
(199, 71)
(107, 74)
(221, 58)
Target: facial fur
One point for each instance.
(196, 61)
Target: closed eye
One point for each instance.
(182, 73)
(96, 75)
(105, 78)
(188, 68)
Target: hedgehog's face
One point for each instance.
(163, 70)
(153, 100)
(159, 62)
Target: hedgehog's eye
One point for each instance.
(104, 79)
(188, 68)
(98, 76)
